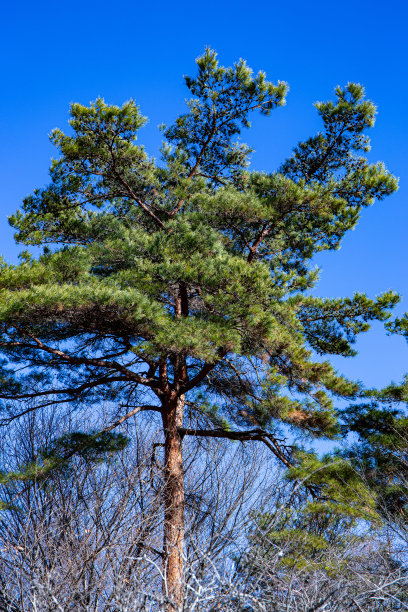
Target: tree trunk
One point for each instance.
(173, 533)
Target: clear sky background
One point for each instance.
(55, 53)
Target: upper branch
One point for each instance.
(206, 369)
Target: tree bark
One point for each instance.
(173, 533)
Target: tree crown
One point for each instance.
(190, 276)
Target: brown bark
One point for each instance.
(173, 534)
(172, 415)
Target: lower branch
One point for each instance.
(242, 436)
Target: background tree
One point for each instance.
(180, 288)
(301, 559)
(381, 452)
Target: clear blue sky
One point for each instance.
(54, 53)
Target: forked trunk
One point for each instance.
(173, 535)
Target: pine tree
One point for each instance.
(381, 453)
(181, 287)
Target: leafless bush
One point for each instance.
(88, 538)
(68, 537)
(360, 575)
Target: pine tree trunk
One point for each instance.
(173, 535)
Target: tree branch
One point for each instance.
(101, 363)
(206, 369)
(68, 391)
(259, 435)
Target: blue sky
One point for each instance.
(57, 53)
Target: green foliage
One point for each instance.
(381, 455)
(190, 277)
(399, 326)
(224, 97)
(316, 528)
(60, 452)
(89, 446)
(337, 487)
(299, 539)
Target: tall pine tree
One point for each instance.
(182, 287)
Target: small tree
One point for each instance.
(301, 560)
(180, 288)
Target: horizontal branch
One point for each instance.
(259, 435)
(72, 391)
(97, 362)
(222, 433)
